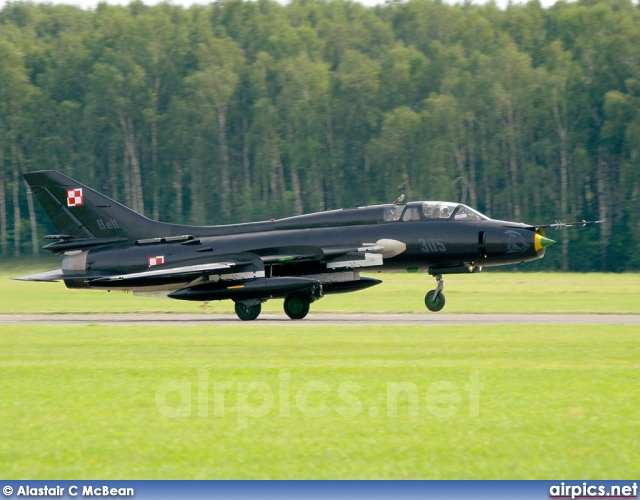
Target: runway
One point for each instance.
(319, 319)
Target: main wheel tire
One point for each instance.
(434, 305)
(296, 306)
(247, 313)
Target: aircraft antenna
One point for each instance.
(399, 199)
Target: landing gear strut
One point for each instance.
(296, 305)
(434, 300)
(248, 312)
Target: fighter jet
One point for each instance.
(106, 246)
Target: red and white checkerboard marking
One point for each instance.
(156, 261)
(75, 198)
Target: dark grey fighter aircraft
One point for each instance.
(106, 246)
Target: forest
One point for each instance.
(247, 110)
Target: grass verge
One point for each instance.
(400, 293)
(147, 402)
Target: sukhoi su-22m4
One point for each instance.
(106, 246)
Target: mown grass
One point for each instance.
(402, 293)
(88, 402)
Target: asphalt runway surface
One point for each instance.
(319, 319)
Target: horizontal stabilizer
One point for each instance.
(51, 276)
(67, 245)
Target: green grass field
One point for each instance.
(326, 402)
(104, 402)
(401, 293)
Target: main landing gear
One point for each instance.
(434, 300)
(296, 305)
(247, 312)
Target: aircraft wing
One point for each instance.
(250, 265)
(236, 266)
(325, 270)
(178, 272)
(231, 267)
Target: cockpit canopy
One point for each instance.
(432, 210)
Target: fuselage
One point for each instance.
(406, 243)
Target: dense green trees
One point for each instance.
(249, 110)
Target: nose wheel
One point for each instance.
(434, 300)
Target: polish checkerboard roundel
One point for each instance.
(74, 197)
(156, 260)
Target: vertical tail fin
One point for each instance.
(79, 211)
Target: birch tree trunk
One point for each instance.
(513, 163)
(4, 239)
(604, 211)
(333, 199)
(4, 242)
(3, 210)
(30, 206)
(33, 223)
(197, 203)
(561, 130)
(154, 146)
(472, 165)
(128, 196)
(136, 175)
(460, 159)
(16, 212)
(484, 157)
(224, 156)
(246, 166)
(297, 191)
(177, 186)
(277, 172)
(293, 169)
(318, 185)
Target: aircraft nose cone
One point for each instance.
(541, 242)
(546, 242)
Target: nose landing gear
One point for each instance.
(434, 300)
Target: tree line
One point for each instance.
(247, 110)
